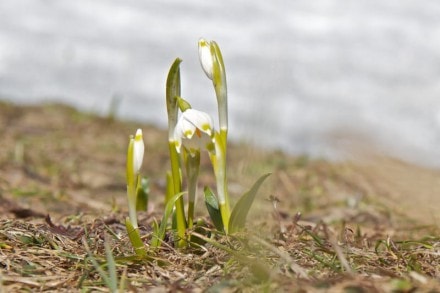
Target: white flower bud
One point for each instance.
(138, 151)
(205, 57)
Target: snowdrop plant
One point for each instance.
(189, 134)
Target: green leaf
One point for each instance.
(111, 267)
(213, 209)
(173, 81)
(143, 192)
(105, 278)
(172, 92)
(159, 234)
(135, 238)
(155, 227)
(241, 209)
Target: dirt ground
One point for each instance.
(317, 226)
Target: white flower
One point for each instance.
(195, 131)
(138, 151)
(205, 57)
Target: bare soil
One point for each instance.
(317, 226)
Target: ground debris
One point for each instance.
(72, 233)
(320, 226)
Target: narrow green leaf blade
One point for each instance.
(213, 209)
(111, 267)
(158, 235)
(173, 82)
(96, 265)
(172, 92)
(241, 209)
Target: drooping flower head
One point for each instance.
(194, 131)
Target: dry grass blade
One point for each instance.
(283, 255)
(341, 256)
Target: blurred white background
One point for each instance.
(308, 77)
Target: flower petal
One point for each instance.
(200, 120)
(194, 122)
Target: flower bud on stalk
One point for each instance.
(206, 57)
(212, 63)
(135, 156)
(138, 151)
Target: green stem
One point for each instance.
(169, 188)
(225, 211)
(131, 191)
(225, 208)
(224, 138)
(180, 212)
(191, 205)
(131, 183)
(219, 164)
(192, 171)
